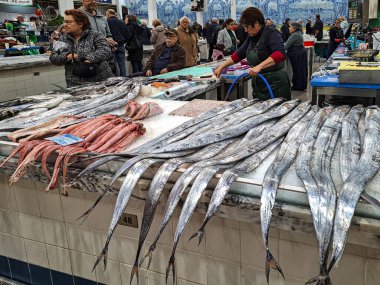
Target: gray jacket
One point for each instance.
(295, 39)
(98, 23)
(91, 46)
(225, 39)
(158, 36)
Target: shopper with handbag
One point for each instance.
(134, 45)
(83, 51)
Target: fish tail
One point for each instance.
(149, 254)
(135, 271)
(172, 266)
(89, 211)
(102, 255)
(320, 280)
(271, 262)
(200, 233)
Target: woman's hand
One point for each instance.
(165, 70)
(69, 56)
(218, 71)
(254, 70)
(148, 73)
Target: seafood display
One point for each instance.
(235, 139)
(107, 133)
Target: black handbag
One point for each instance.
(84, 69)
(134, 44)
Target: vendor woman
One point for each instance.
(265, 52)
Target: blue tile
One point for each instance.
(40, 275)
(60, 278)
(82, 281)
(20, 271)
(4, 267)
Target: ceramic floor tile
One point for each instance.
(26, 198)
(127, 248)
(111, 275)
(253, 275)
(79, 239)
(125, 271)
(36, 253)
(373, 253)
(14, 247)
(73, 208)
(191, 245)
(10, 222)
(185, 282)
(305, 238)
(98, 239)
(292, 257)
(155, 278)
(82, 265)
(160, 259)
(50, 206)
(167, 235)
(59, 259)
(372, 272)
(130, 231)
(54, 233)
(222, 272)
(101, 217)
(191, 266)
(350, 271)
(31, 227)
(223, 242)
(8, 198)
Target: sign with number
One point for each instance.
(17, 2)
(128, 220)
(104, 1)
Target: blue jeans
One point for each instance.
(120, 59)
(136, 66)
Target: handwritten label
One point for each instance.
(128, 220)
(65, 139)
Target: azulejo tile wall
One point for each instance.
(169, 11)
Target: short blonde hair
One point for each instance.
(156, 22)
(184, 18)
(111, 12)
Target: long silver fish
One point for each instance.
(360, 176)
(156, 189)
(256, 145)
(223, 110)
(284, 158)
(303, 168)
(232, 131)
(124, 194)
(351, 148)
(326, 193)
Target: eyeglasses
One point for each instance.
(68, 22)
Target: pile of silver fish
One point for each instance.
(235, 139)
(89, 100)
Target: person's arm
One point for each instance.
(102, 50)
(220, 39)
(289, 42)
(58, 58)
(226, 64)
(240, 54)
(149, 63)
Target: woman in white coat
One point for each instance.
(227, 37)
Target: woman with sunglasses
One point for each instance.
(265, 52)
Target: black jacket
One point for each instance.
(119, 30)
(210, 32)
(309, 29)
(135, 31)
(285, 32)
(145, 36)
(318, 30)
(177, 58)
(215, 34)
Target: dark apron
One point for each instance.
(275, 75)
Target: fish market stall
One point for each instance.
(238, 146)
(331, 80)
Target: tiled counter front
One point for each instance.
(43, 240)
(30, 81)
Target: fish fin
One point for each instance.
(271, 262)
(103, 254)
(320, 280)
(370, 199)
(135, 271)
(89, 211)
(172, 266)
(149, 254)
(200, 233)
